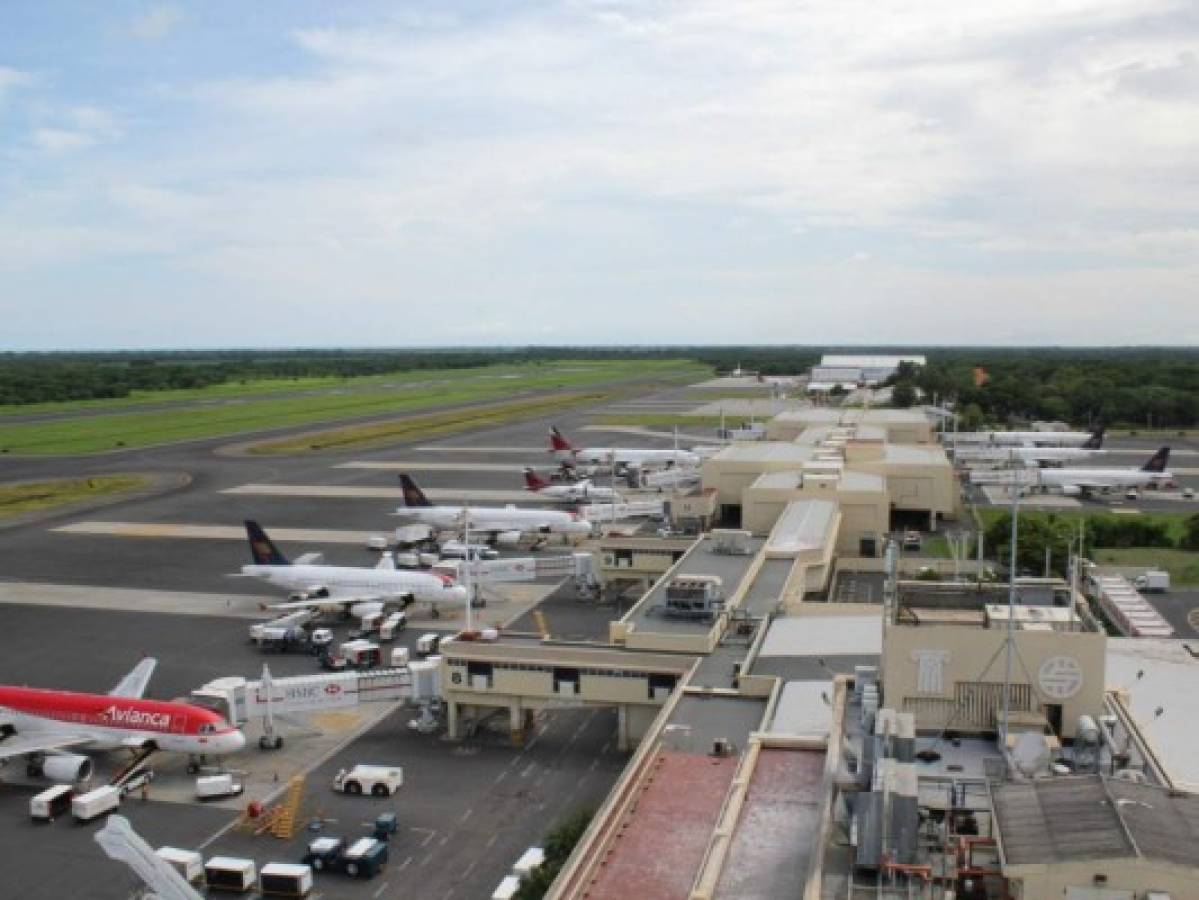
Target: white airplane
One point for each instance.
(1022, 438)
(620, 457)
(501, 524)
(1077, 482)
(41, 724)
(353, 590)
(579, 492)
(1041, 456)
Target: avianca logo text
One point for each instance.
(136, 717)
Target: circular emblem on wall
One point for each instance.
(1060, 677)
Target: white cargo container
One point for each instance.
(228, 873)
(507, 889)
(378, 781)
(529, 861)
(285, 880)
(211, 787)
(188, 863)
(93, 804)
(51, 803)
(399, 657)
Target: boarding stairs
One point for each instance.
(133, 768)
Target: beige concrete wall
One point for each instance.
(1137, 875)
(968, 650)
(923, 488)
(861, 514)
(762, 509)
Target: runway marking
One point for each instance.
(358, 492)
(82, 596)
(500, 777)
(404, 864)
(382, 888)
(528, 770)
(445, 840)
(466, 815)
(428, 837)
(466, 872)
(433, 466)
(491, 841)
(211, 532)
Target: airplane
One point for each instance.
(42, 725)
(579, 492)
(1022, 438)
(502, 525)
(619, 457)
(351, 590)
(1078, 482)
(1041, 456)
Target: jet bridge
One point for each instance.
(241, 700)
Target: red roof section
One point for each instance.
(661, 843)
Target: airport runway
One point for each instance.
(150, 575)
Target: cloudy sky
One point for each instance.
(281, 172)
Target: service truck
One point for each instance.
(378, 781)
(93, 804)
(362, 859)
(213, 787)
(51, 803)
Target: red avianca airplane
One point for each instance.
(41, 724)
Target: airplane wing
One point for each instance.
(20, 745)
(134, 684)
(326, 602)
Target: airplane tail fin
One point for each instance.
(533, 481)
(413, 495)
(1157, 462)
(558, 441)
(262, 548)
(1095, 441)
(134, 684)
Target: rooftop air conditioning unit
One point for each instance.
(732, 542)
(722, 747)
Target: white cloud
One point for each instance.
(11, 79)
(697, 155)
(156, 23)
(76, 128)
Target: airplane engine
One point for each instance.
(366, 608)
(65, 768)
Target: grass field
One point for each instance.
(1183, 565)
(353, 398)
(266, 387)
(424, 426)
(16, 499)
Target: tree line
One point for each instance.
(1038, 530)
(1143, 388)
